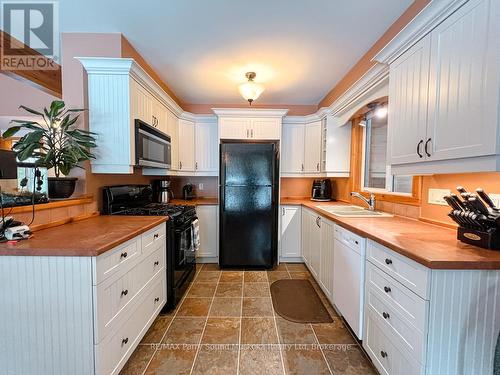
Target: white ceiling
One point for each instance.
(202, 49)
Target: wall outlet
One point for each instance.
(200, 186)
(495, 198)
(436, 196)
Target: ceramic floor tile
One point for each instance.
(138, 361)
(208, 276)
(202, 289)
(280, 267)
(172, 361)
(222, 331)
(215, 360)
(210, 267)
(333, 333)
(256, 290)
(255, 276)
(231, 276)
(258, 331)
(229, 290)
(296, 267)
(348, 360)
(157, 330)
(260, 360)
(303, 275)
(194, 307)
(257, 307)
(295, 333)
(184, 331)
(277, 275)
(304, 361)
(226, 307)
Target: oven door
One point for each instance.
(184, 254)
(152, 147)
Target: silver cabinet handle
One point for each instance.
(180, 164)
(317, 167)
(302, 167)
(252, 132)
(196, 165)
(283, 211)
(247, 133)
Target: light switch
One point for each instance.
(436, 196)
(200, 186)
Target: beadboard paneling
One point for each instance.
(464, 322)
(46, 315)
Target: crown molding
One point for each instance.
(426, 20)
(250, 112)
(197, 117)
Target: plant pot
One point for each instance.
(61, 187)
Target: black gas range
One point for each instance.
(181, 261)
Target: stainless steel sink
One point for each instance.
(352, 211)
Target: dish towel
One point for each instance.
(195, 234)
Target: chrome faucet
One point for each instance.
(369, 201)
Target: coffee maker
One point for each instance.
(321, 190)
(163, 191)
(188, 192)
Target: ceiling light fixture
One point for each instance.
(250, 90)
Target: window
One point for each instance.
(376, 173)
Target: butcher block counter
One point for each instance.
(89, 237)
(203, 201)
(430, 245)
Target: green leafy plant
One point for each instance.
(54, 142)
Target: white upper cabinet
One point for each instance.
(250, 124)
(464, 83)
(444, 90)
(173, 132)
(337, 148)
(292, 148)
(312, 153)
(186, 146)
(206, 147)
(141, 102)
(408, 91)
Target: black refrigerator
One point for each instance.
(249, 186)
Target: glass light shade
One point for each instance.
(251, 90)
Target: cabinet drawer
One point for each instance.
(118, 259)
(115, 349)
(387, 356)
(406, 334)
(407, 303)
(409, 273)
(118, 295)
(350, 239)
(152, 236)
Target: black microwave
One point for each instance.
(152, 147)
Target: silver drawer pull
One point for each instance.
(387, 289)
(388, 261)
(156, 263)
(386, 315)
(125, 341)
(123, 255)
(383, 354)
(156, 235)
(157, 299)
(124, 292)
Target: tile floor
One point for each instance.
(226, 325)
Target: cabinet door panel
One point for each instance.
(312, 154)
(315, 246)
(408, 94)
(464, 77)
(306, 235)
(208, 217)
(186, 146)
(207, 147)
(142, 102)
(234, 128)
(265, 128)
(173, 132)
(292, 148)
(326, 265)
(290, 231)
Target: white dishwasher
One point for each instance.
(349, 277)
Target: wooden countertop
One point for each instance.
(89, 237)
(430, 245)
(209, 201)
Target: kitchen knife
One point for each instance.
(455, 218)
(461, 189)
(451, 202)
(478, 205)
(486, 198)
(458, 201)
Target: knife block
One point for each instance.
(486, 240)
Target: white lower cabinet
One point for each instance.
(208, 215)
(326, 257)
(290, 239)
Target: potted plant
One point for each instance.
(55, 143)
